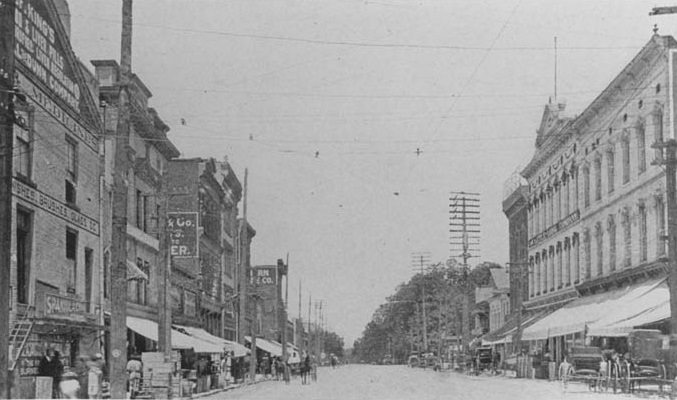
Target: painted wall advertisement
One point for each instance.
(38, 49)
(183, 237)
(263, 276)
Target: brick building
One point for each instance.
(203, 285)
(56, 221)
(151, 150)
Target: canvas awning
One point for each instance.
(505, 333)
(580, 313)
(149, 329)
(650, 307)
(267, 346)
(227, 345)
(134, 272)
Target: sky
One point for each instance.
(325, 103)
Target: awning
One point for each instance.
(149, 329)
(578, 314)
(227, 345)
(505, 333)
(134, 272)
(650, 307)
(269, 347)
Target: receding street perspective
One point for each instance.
(338, 199)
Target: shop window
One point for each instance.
(71, 260)
(23, 255)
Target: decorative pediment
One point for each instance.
(550, 121)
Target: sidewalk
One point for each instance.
(259, 379)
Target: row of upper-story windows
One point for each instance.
(558, 265)
(563, 196)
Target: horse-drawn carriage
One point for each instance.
(608, 370)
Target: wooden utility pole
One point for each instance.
(242, 281)
(6, 147)
(464, 217)
(284, 308)
(118, 345)
(163, 283)
(253, 331)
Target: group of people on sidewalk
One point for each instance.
(84, 381)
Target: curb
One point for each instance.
(227, 389)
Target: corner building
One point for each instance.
(596, 212)
(55, 243)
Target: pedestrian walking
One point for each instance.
(305, 369)
(56, 370)
(82, 372)
(94, 376)
(313, 369)
(565, 371)
(134, 370)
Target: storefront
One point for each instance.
(602, 319)
(61, 324)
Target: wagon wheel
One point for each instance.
(661, 378)
(613, 376)
(625, 378)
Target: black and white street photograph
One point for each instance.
(338, 199)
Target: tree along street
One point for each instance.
(361, 381)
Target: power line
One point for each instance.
(364, 44)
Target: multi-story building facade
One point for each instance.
(151, 151)
(55, 202)
(596, 212)
(232, 189)
(203, 286)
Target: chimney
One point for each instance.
(64, 14)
